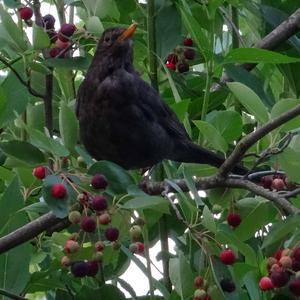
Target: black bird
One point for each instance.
(123, 119)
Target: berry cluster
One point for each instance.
(201, 286)
(135, 233)
(276, 182)
(283, 270)
(178, 59)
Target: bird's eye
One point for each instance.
(107, 39)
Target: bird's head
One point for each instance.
(117, 41)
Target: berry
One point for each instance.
(74, 236)
(71, 246)
(25, 13)
(111, 234)
(296, 254)
(227, 285)
(99, 203)
(62, 38)
(286, 261)
(81, 162)
(295, 287)
(271, 261)
(265, 284)
(189, 53)
(74, 217)
(88, 224)
(296, 265)
(140, 247)
(275, 268)
(234, 220)
(48, 21)
(104, 219)
(79, 269)
(53, 36)
(278, 254)
(188, 42)
(135, 232)
(99, 246)
(133, 248)
(278, 184)
(216, 209)
(67, 29)
(171, 66)
(39, 172)
(99, 181)
(65, 261)
(93, 268)
(286, 252)
(279, 279)
(58, 190)
(199, 294)
(172, 58)
(54, 52)
(61, 44)
(227, 257)
(198, 282)
(183, 67)
(267, 181)
(83, 199)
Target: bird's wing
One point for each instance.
(153, 105)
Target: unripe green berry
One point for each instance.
(135, 232)
(216, 209)
(75, 217)
(98, 256)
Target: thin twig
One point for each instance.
(11, 295)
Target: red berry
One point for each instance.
(53, 36)
(62, 44)
(62, 37)
(234, 219)
(267, 181)
(99, 246)
(39, 172)
(189, 53)
(271, 261)
(227, 257)
(112, 234)
(58, 190)
(25, 13)
(172, 58)
(171, 66)
(67, 29)
(286, 261)
(65, 261)
(140, 247)
(278, 254)
(54, 52)
(79, 269)
(265, 284)
(296, 254)
(188, 42)
(227, 285)
(71, 246)
(104, 219)
(198, 282)
(48, 21)
(183, 67)
(278, 184)
(99, 181)
(99, 203)
(92, 268)
(279, 279)
(88, 224)
(295, 287)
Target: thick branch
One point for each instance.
(250, 139)
(11, 295)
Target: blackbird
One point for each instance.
(123, 119)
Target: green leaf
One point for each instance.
(68, 127)
(23, 151)
(208, 220)
(118, 178)
(58, 206)
(12, 3)
(290, 163)
(73, 63)
(255, 55)
(250, 101)
(212, 135)
(107, 291)
(280, 230)
(181, 276)
(12, 29)
(283, 106)
(94, 25)
(228, 123)
(145, 202)
(40, 38)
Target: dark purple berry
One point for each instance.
(188, 42)
(67, 29)
(99, 181)
(189, 53)
(48, 21)
(296, 265)
(99, 203)
(53, 36)
(79, 269)
(295, 287)
(279, 279)
(93, 268)
(88, 224)
(227, 285)
(183, 67)
(112, 234)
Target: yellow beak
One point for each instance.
(128, 33)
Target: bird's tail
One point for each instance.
(196, 154)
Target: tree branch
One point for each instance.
(250, 139)
(11, 295)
